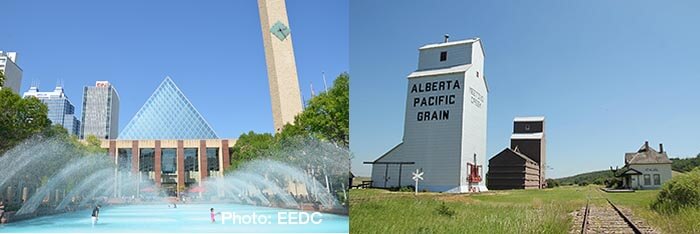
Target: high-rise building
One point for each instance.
(281, 67)
(61, 110)
(12, 72)
(100, 111)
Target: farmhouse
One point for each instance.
(645, 169)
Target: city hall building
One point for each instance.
(169, 144)
(445, 121)
(169, 163)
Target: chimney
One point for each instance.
(646, 144)
(447, 38)
(661, 148)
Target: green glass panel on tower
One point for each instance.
(167, 115)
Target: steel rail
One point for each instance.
(624, 217)
(584, 226)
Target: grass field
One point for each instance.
(514, 211)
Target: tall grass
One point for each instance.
(507, 212)
(640, 202)
(514, 211)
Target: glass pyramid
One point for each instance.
(167, 115)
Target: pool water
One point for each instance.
(186, 218)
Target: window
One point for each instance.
(443, 56)
(146, 159)
(168, 160)
(647, 179)
(191, 163)
(213, 159)
(124, 159)
(657, 179)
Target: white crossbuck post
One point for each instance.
(418, 175)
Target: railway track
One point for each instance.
(607, 219)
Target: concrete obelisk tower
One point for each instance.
(281, 67)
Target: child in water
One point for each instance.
(95, 214)
(213, 215)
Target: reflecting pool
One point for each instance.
(186, 218)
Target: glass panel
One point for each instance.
(147, 156)
(124, 159)
(167, 114)
(191, 162)
(213, 158)
(169, 160)
(647, 180)
(657, 179)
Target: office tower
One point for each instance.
(100, 111)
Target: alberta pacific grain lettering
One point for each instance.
(433, 100)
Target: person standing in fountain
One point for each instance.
(213, 215)
(95, 214)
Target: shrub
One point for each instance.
(613, 183)
(599, 181)
(583, 184)
(407, 189)
(445, 210)
(552, 183)
(680, 192)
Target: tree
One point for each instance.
(20, 118)
(249, 146)
(93, 144)
(685, 164)
(327, 116)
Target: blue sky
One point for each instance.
(607, 75)
(213, 50)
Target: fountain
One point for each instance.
(87, 183)
(55, 183)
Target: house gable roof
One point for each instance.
(646, 155)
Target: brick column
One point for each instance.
(224, 156)
(113, 156)
(135, 165)
(180, 164)
(135, 157)
(113, 151)
(203, 166)
(156, 164)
